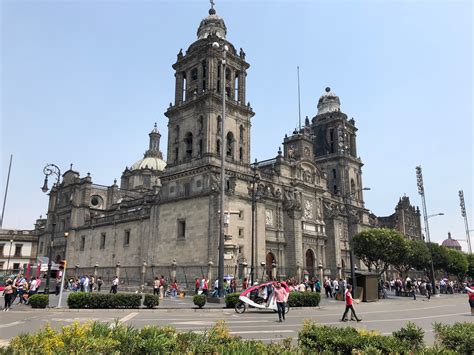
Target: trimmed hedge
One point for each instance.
(199, 300)
(38, 301)
(304, 299)
(151, 301)
(315, 338)
(231, 299)
(103, 301)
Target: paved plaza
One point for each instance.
(385, 316)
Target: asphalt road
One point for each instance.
(385, 316)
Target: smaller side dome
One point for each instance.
(153, 163)
(212, 25)
(451, 243)
(329, 102)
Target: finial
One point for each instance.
(88, 174)
(212, 11)
(279, 150)
(115, 181)
(70, 168)
(328, 89)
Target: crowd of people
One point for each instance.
(19, 287)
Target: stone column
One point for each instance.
(209, 270)
(321, 275)
(245, 268)
(95, 270)
(274, 270)
(339, 271)
(142, 277)
(173, 270)
(298, 272)
(76, 270)
(117, 270)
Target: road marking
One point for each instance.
(210, 322)
(11, 324)
(404, 319)
(71, 320)
(4, 342)
(128, 317)
(263, 331)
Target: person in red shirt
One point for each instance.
(197, 286)
(245, 284)
(281, 296)
(470, 293)
(349, 306)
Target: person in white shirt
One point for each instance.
(86, 283)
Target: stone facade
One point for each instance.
(406, 219)
(307, 199)
(17, 248)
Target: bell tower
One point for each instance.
(194, 118)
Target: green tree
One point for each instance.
(470, 267)
(378, 248)
(415, 254)
(440, 256)
(457, 264)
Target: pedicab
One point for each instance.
(250, 298)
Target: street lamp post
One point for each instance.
(421, 192)
(224, 48)
(463, 213)
(51, 169)
(10, 253)
(63, 276)
(255, 179)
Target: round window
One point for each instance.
(96, 201)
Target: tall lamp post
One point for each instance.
(51, 169)
(255, 180)
(463, 213)
(421, 192)
(220, 274)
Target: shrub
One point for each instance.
(98, 300)
(411, 334)
(38, 301)
(314, 338)
(231, 300)
(458, 337)
(199, 300)
(304, 299)
(151, 301)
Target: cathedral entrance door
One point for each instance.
(269, 260)
(310, 262)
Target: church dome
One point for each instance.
(329, 102)
(451, 243)
(212, 25)
(153, 163)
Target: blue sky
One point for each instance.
(84, 81)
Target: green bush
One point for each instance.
(231, 300)
(315, 338)
(38, 301)
(458, 337)
(411, 334)
(103, 301)
(304, 299)
(151, 301)
(199, 300)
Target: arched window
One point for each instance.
(241, 134)
(228, 83)
(353, 188)
(200, 124)
(194, 74)
(200, 148)
(188, 142)
(185, 86)
(218, 147)
(204, 75)
(331, 140)
(236, 86)
(230, 145)
(269, 260)
(241, 153)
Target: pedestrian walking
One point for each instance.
(8, 294)
(162, 287)
(245, 284)
(114, 287)
(156, 286)
(99, 283)
(197, 286)
(470, 293)
(349, 305)
(281, 296)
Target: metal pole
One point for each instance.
(466, 225)
(252, 266)
(9, 254)
(421, 191)
(50, 256)
(6, 190)
(220, 276)
(63, 275)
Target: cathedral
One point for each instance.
(287, 216)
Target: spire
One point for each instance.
(154, 146)
(212, 25)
